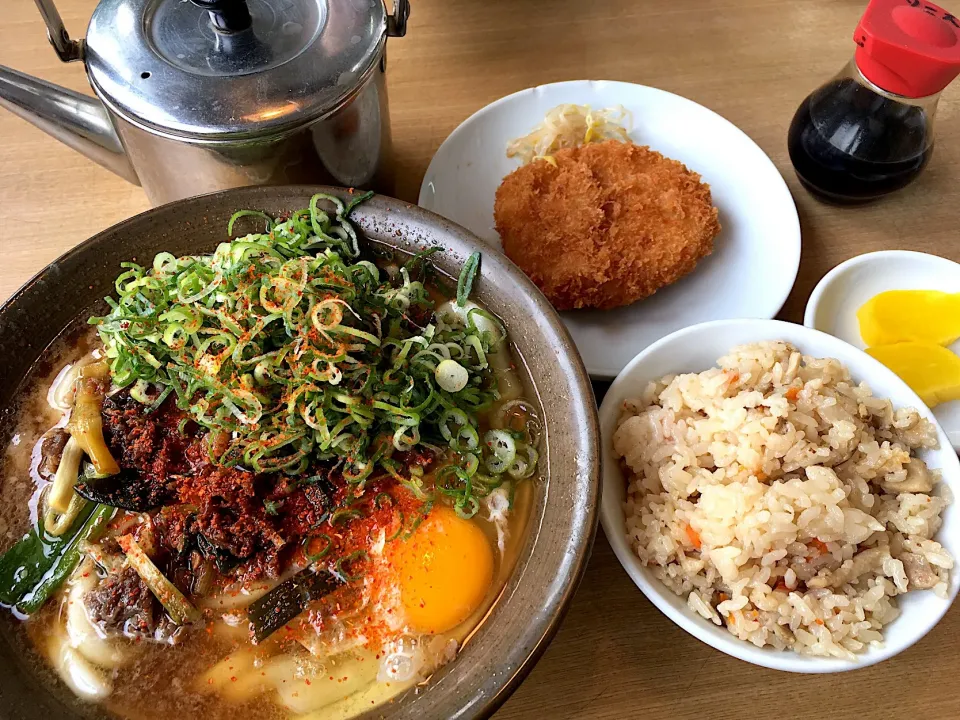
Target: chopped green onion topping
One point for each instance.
(467, 275)
(297, 350)
(271, 507)
(452, 376)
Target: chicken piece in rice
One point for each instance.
(783, 500)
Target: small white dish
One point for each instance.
(833, 305)
(756, 255)
(697, 348)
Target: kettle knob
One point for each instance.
(227, 16)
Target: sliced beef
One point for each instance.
(174, 528)
(239, 521)
(123, 605)
(230, 515)
(51, 450)
(149, 445)
(128, 490)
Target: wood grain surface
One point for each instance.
(752, 61)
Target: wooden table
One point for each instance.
(752, 61)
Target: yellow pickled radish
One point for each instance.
(897, 316)
(931, 370)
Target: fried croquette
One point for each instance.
(610, 224)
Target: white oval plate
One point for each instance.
(833, 304)
(755, 260)
(697, 348)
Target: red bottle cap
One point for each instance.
(908, 47)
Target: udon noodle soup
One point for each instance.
(288, 478)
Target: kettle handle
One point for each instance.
(68, 50)
(396, 23)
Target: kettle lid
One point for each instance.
(211, 69)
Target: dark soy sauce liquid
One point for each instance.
(849, 145)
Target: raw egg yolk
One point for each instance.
(444, 570)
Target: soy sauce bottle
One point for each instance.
(869, 130)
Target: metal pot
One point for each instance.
(214, 94)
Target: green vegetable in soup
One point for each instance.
(33, 569)
(467, 276)
(61, 491)
(86, 423)
(289, 599)
(181, 610)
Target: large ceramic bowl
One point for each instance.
(697, 348)
(527, 614)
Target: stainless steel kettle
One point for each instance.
(212, 94)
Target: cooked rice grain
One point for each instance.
(782, 499)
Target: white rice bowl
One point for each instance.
(785, 473)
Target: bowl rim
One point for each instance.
(831, 277)
(611, 515)
(580, 532)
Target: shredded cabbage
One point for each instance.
(567, 126)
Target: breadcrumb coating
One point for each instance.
(610, 224)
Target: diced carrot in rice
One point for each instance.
(819, 545)
(699, 476)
